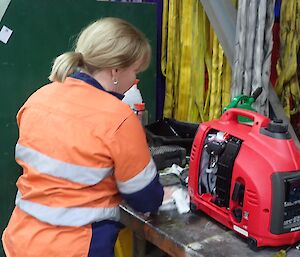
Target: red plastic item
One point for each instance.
(264, 187)
(139, 106)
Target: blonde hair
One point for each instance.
(106, 43)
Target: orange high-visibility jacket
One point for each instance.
(81, 149)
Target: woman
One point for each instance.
(82, 150)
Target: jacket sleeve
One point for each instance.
(134, 170)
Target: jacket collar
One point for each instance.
(90, 80)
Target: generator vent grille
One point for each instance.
(252, 197)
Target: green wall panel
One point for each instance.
(41, 31)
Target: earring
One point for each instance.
(116, 82)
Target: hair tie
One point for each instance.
(80, 58)
(79, 54)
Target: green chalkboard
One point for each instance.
(41, 31)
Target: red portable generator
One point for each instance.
(247, 177)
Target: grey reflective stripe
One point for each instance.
(139, 181)
(50, 166)
(74, 216)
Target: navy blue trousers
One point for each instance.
(104, 236)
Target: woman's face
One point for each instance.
(126, 77)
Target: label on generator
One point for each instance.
(240, 230)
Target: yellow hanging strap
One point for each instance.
(170, 61)
(220, 80)
(186, 56)
(215, 85)
(208, 62)
(219, 74)
(287, 85)
(197, 98)
(184, 83)
(182, 62)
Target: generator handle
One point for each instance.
(259, 121)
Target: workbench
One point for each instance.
(195, 235)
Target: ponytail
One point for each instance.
(65, 65)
